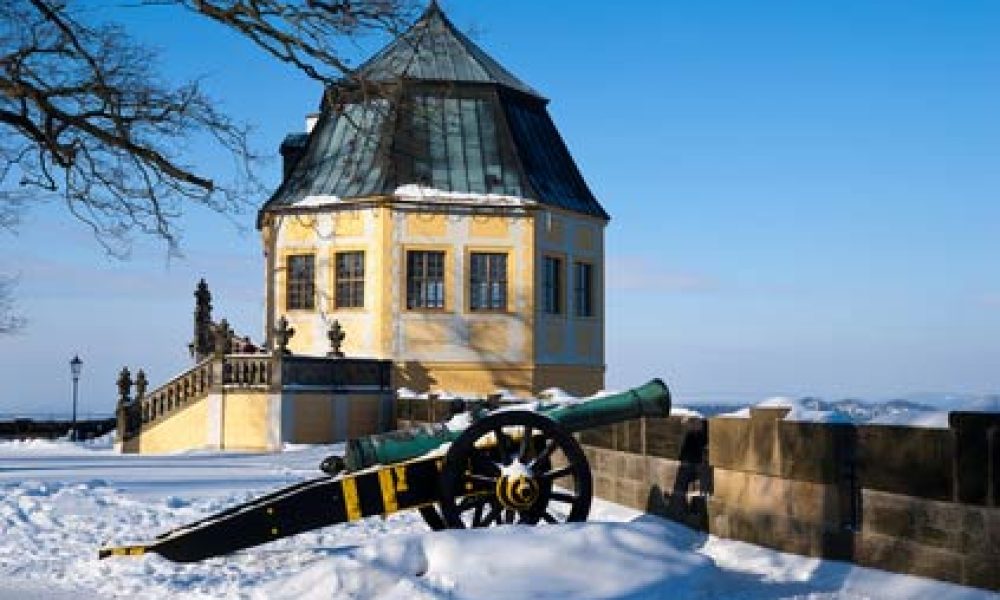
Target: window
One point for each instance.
(488, 281)
(424, 279)
(583, 289)
(350, 272)
(552, 286)
(300, 286)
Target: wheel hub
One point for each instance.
(517, 488)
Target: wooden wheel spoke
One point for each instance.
(557, 473)
(563, 497)
(494, 514)
(522, 453)
(482, 465)
(501, 444)
(477, 478)
(470, 502)
(475, 463)
(550, 447)
(477, 516)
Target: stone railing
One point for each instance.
(145, 408)
(179, 392)
(247, 370)
(913, 500)
(232, 372)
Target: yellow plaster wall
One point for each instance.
(586, 339)
(553, 332)
(552, 228)
(245, 422)
(426, 224)
(298, 228)
(577, 380)
(384, 282)
(463, 378)
(586, 239)
(184, 430)
(489, 338)
(349, 223)
(424, 336)
(304, 323)
(489, 226)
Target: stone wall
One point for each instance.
(911, 500)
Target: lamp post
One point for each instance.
(75, 366)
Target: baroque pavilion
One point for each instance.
(432, 225)
(436, 213)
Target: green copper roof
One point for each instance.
(452, 119)
(434, 50)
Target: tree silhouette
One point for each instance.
(86, 120)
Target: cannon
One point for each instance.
(510, 465)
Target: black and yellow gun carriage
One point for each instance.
(510, 465)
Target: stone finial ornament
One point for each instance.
(336, 336)
(141, 383)
(202, 345)
(283, 333)
(223, 338)
(124, 386)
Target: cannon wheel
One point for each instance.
(506, 458)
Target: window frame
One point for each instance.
(558, 291)
(294, 289)
(445, 278)
(487, 251)
(354, 280)
(580, 291)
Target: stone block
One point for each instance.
(778, 531)
(420, 410)
(729, 443)
(604, 487)
(629, 436)
(817, 452)
(980, 532)
(764, 495)
(982, 572)
(887, 514)
(973, 434)
(678, 438)
(636, 467)
(663, 472)
(929, 522)
(763, 456)
(906, 460)
(600, 437)
(631, 493)
(904, 556)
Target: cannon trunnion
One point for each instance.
(510, 466)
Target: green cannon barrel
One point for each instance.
(649, 400)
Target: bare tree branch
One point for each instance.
(9, 322)
(84, 117)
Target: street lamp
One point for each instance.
(75, 366)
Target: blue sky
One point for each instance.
(805, 198)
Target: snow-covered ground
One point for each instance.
(60, 502)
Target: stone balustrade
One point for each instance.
(234, 373)
(177, 393)
(247, 370)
